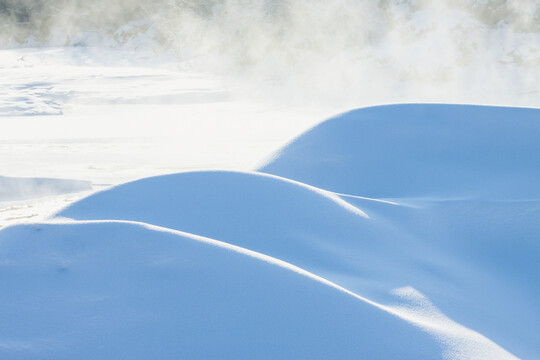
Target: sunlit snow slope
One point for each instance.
(118, 290)
(307, 262)
(420, 150)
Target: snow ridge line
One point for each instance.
(325, 193)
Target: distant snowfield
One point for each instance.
(404, 231)
(108, 117)
(113, 123)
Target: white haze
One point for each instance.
(341, 53)
(135, 88)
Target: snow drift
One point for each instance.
(116, 290)
(420, 150)
(236, 264)
(370, 247)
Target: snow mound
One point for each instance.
(288, 220)
(123, 290)
(12, 188)
(420, 150)
(218, 264)
(258, 211)
(367, 246)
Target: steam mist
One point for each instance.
(341, 52)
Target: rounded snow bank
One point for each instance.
(420, 150)
(265, 213)
(109, 290)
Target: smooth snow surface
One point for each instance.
(370, 250)
(305, 260)
(420, 150)
(109, 290)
